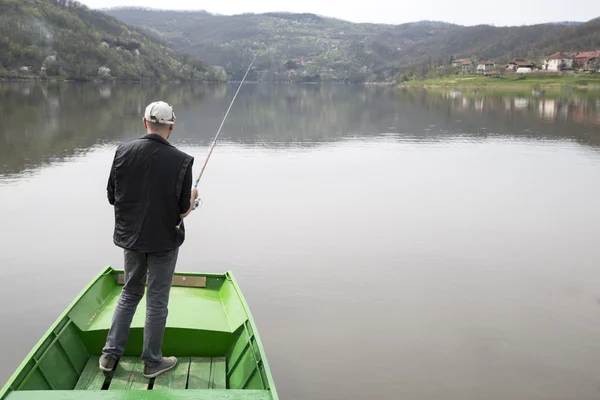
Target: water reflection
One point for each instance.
(46, 122)
(535, 115)
(581, 108)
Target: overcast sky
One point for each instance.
(466, 12)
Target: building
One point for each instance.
(517, 63)
(467, 66)
(484, 66)
(586, 60)
(559, 61)
(458, 63)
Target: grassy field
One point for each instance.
(542, 81)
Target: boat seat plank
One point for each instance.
(218, 374)
(178, 280)
(209, 311)
(176, 378)
(199, 377)
(129, 375)
(211, 394)
(92, 378)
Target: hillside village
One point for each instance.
(584, 61)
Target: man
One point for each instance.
(150, 187)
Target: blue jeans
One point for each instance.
(159, 268)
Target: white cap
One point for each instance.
(160, 112)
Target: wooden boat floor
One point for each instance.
(209, 311)
(190, 373)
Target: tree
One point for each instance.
(291, 64)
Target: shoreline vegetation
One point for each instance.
(517, 82)
(8, 79)
(508, 84)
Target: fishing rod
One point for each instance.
(212, 147)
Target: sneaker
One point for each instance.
(107, 362)
(166, 364)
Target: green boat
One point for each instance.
(209, 329)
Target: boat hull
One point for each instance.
(209, 319)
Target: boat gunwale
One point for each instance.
(109, 270)
(7, 386)
(272, 389)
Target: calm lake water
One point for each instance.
(390, 244)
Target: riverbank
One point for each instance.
(532, 81)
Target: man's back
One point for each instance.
(150, 186)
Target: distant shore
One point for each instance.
(524, 81)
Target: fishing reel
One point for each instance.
(197, 204)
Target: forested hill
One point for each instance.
(64, 38)
(307, 46)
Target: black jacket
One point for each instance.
(150, 185)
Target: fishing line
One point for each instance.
(223, 123)
(198, 201)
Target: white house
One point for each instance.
(559, 61)
(484, 66)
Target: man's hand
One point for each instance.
(192, 202)
(194, 197)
